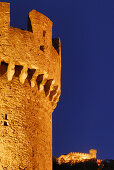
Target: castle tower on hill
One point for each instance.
(75, 157)
(29, 91)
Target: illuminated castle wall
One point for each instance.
(29, 91)
(77, 157)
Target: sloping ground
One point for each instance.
(87, 165)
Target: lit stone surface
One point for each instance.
(29, 91)
(75, 157)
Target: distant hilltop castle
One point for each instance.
(77, 157)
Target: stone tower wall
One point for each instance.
(93, 153)
(29, 91)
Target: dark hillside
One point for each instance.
(87, 165)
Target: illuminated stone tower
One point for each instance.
(29, 91)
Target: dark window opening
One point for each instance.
(5, 116)
(39, 80)
(5, 123)
(3, 63)
(42, 47)
(53, 92)
(18, 69)
(47, 86)
(3, 68)
(44, 33)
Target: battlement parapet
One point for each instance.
(32, 49)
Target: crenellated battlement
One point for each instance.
(32, 50)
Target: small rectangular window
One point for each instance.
(44, 33)
(5, 123)
(5, 116)
(42, 48)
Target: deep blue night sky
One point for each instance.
(84, 117)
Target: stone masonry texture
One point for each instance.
(30, 76)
